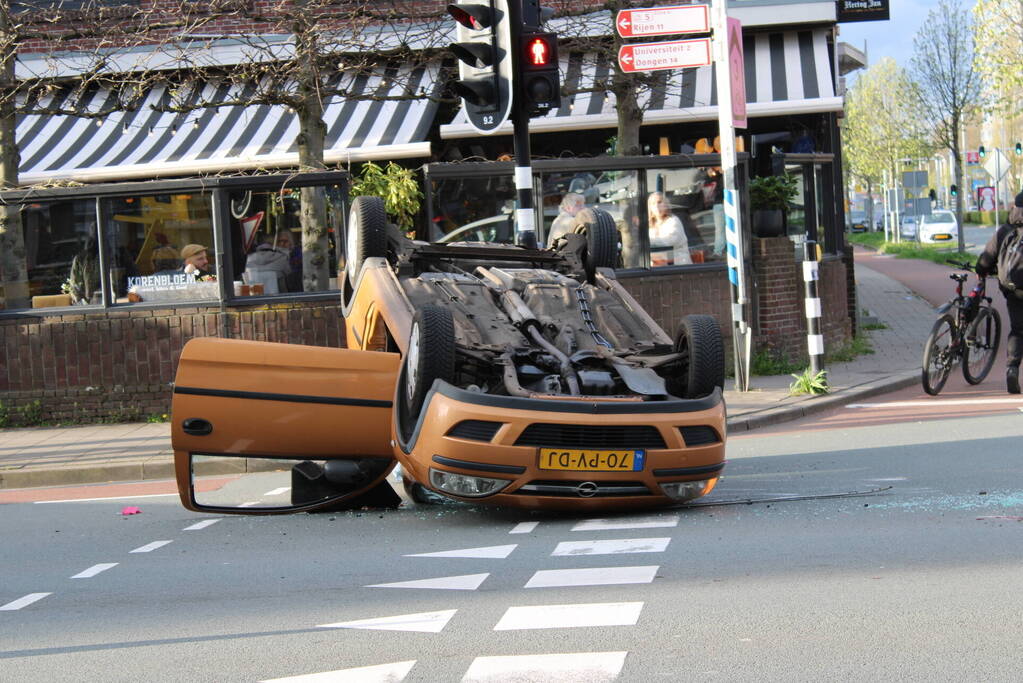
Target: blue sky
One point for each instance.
(892, 38)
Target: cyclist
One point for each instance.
(987, 264)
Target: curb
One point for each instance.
(816, 404)
(163, 468)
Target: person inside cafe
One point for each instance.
(268, 266)
(196, 262)
(668, 242)
(290, 245)
(571, 204)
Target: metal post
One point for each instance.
(734, 234)
(998, 176)
(525, 216)
(814, 338)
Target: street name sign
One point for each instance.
(671, 54)
(662, 21)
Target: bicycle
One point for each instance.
(968, 329)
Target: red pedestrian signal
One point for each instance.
(539, 80)
(539, 52)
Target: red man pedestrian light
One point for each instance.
(540, 82)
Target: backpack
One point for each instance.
(1010, 262)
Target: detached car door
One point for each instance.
(245, 407)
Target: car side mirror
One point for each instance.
(272, 485)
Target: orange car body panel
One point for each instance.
(379, 308)
(285, 400)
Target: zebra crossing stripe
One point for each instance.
(570, 616)
(380, 673)
(580, 667)
(24, 601)
(594, 576)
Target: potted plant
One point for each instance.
(769, 203)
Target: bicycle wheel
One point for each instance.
(981, 345)
(939, 355)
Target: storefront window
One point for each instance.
(685, 213)
(477, 209)
(61, 256)
(161, 248)
(267, 245)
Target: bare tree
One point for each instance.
(948, 86)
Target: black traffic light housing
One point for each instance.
(539, 80)
(953, 190)
(980, 150)
(932, 195)
(484, 53)
(1019, 148)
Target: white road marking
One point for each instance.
(380, 673)
(577, 667)
(596, 576)
(92, 500)
(888, 479)
(465, 582)
(150, 547)
(202, 525)
(570, 616)
(94, 570)
(23, 601)
(647, 522)
(612, 547)
(940, 402)
(278, 491)
(423, 622)
(251, 503)
(524, 527)
(490, 552)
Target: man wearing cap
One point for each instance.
(195, 261)
(987, 264)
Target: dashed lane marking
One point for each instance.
(577, 667)
(524, 527)
(490, 552)
(93, 500)
(595, 576)
(570, 616)
(619, 523)
(150, 547)
(278, 491)
(94, 570)
(381, 673)
(202, 525)
(465, 582)
(423, 622)
(23, 601)
(611, 547)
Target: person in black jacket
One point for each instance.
(987, 264)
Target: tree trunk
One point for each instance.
(630, 118)
(14, 291)
(311, 139)
(958, 160)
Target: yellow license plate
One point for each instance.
(573, 460)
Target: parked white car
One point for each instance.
(938, 228)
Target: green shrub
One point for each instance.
(809, 383)
(766, 362)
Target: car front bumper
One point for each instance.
(500, 438)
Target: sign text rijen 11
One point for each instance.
(672, 54)
(662, 21)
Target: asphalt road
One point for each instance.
(918, 582)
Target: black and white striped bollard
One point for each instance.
(814, 338)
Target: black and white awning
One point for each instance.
(790, 72)
(387, 115)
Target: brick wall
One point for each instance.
(118, 364)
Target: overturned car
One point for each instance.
(491, 372)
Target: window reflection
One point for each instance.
(161, 248)
(478, 209)
(685, 213)
(61, 253)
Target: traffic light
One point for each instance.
(1019, 148)
(539, 80)
(484, 52)
(980, 151)
(932, 195)
(953, 190)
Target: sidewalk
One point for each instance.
(59, 456)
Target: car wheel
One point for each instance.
(367, 234)
(430, 356)
(601, 238)
(702, 366)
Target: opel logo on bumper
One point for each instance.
(587, 489)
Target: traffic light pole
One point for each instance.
(525, 216)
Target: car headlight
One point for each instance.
(687, 490)
(465, 485)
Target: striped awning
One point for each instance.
(145, 142)
(788, 72)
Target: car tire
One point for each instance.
(601, 238)
(430, 356)
(367, 234)
(702, 367)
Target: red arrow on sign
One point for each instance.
(671, 54)
(662, 21)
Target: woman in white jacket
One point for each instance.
(666, 230)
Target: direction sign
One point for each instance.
(662, 21)
(671, 54)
